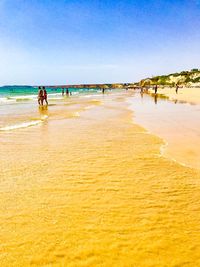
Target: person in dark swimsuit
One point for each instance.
(40, 96)
(67, 92)
(45, 95)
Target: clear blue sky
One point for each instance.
(96, 41)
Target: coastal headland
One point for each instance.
(184, 78)
(91, 86)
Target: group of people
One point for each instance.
(67, 92)
(155, 88)
(42, 95)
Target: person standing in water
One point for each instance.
(45, 95)
(63, 91)
(67, 92)
(40, 96)
(103, 90)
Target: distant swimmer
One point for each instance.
(177, 87)
(63, 91)
(156, 89)
(45, 95)
(40, 96)
(67, 92)
(103, 90)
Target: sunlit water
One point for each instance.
(177, 123)
(88, 187)
(18, 105)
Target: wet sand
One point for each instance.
(93, 190)
(175, 122)
(189, 95)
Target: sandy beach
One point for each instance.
(89, 187)
(99, 151)
(185, 94)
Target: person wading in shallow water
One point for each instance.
(45, 95)
(67, 92)
(40, 96)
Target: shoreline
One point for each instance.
(185, 94)
(38, 120)
(155, 118)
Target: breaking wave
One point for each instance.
(24, 124)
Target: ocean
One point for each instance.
(10, 94)
(19, 107)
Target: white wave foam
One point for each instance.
(3, 99)
(74, 93)
(92, 95)
(22, 97)
(13, 99)
(23, 124)
(54, 94)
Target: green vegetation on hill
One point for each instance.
(188, 78)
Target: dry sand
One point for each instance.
(190, 95)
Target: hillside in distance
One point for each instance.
(90, 86)
(185, 78)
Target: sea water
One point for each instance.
(10, 94)
(176, 123)
(18, 104)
